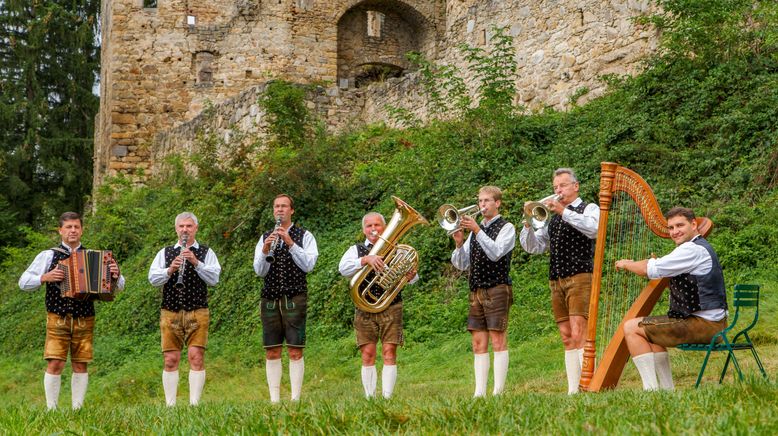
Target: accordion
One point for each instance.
(88, 275)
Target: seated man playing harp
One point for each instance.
(570, 237)
(386, 326)
(698, 301)
(486, 253)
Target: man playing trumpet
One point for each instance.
(386, 326)
(570, 237)
(184, 316)
(487, 255)
(284, 300)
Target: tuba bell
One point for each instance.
(398, 260)
(450, 218)
(537, 214)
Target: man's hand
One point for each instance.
(190, 257)
(175, 265)
(53, 276)
(621, 265)
(469, 223)
(376, 262)
(284, 235)
(410, 274)
(554, 206)
(268, 242)
(459, 237)
(114, 267)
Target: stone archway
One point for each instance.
(375, 35)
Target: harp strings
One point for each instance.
(628, 237)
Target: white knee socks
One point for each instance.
(78, 385)
(500, 371)
(663, 373)
(369, 376)
(647, 369)
(170, 384)
(273, 371)
(388, 378)
(296, 372)
(51, 385)
(196, 383)
(481, 368)
(573, 370)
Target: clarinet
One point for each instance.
(180, 282)
(271, 256)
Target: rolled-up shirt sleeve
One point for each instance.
(686, 258)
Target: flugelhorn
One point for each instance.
(271, 255)
(180, 282)
(450, 218)
(537, 214)
(399, 259)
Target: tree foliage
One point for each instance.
(49, 62)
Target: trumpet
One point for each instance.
(271, 255)
(537, 214)
(450, 218)
(180, 282)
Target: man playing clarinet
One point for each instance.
(184, 271)
(284, 256)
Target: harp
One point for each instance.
(88, 275)
(631, 226)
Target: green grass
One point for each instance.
(432, 396)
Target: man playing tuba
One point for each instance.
(487, 255)
(370, 327)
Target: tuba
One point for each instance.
(537, 214)
(398, 260)
(450, 218)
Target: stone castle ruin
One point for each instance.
(165, 61)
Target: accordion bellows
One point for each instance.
(88, 275)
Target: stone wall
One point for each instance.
(161, 65)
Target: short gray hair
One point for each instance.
(369, 214)
(560, 171)
(185, 215)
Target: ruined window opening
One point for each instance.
(369, 73)
(375, 24)
(191, 20)
(203, 66)
(149, 3)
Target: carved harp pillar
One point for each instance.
(632, 226)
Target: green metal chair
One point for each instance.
(745, 298)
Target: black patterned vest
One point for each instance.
(362, 251)
(691, 293)
(572, 252)
(194, 295)
(55, 303)
(285, 278)
(483, 272)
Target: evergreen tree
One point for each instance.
(49, 61)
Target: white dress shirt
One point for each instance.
(304, 257)
(208, 270)
(31, 278)
(538, 242)
(687, 258)
(494, 249)
(351, 263)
